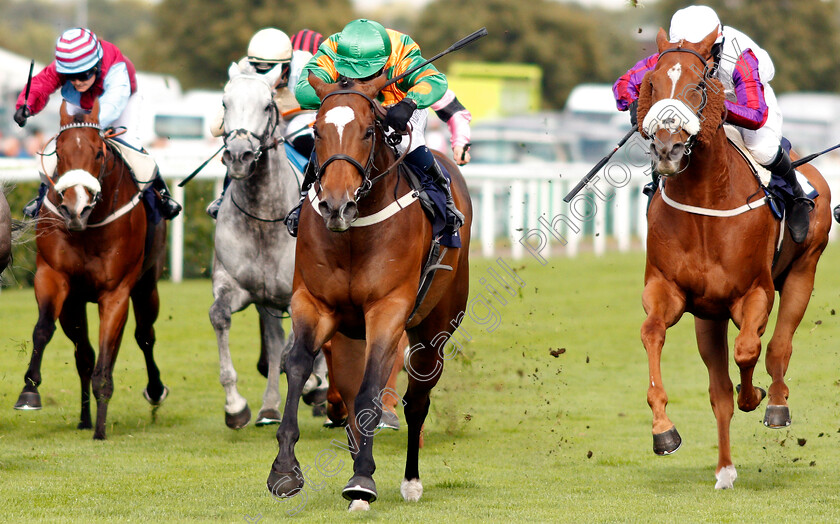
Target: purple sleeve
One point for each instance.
(750, 109)
(626, 88)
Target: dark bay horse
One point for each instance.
(716, 267)
(357, 285)
(92, 247)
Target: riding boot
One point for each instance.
(837, 213)
(213, 207)
(169, 209)
(34, 206)
(650, 187)
(800, 205)
(308, 179)
(423, 159)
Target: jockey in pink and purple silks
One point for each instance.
(745, 71)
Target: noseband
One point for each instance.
(265, 141)
(392, 140)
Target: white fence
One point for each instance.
(518, 209)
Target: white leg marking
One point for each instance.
(674, 74)
(339, 117)
(726, 478)
(359, 505)
(411, 490)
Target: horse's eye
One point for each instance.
(268, 107)
(369, 133)
(315, 132)
(99, 155)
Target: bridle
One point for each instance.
(390, 139)
(701, 88)
(102, 135)
(265, 140)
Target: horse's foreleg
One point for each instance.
(273, 338)
(750, 314)
(384, 325)
(237, 413)
(312, 328)
(664, 305)
(146, 305)
(336, 408)
(113, 312)
(390, 418)
(51, 290)
(796, 293)
(711, 341)
(73, 320)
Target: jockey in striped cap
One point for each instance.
(85, 69)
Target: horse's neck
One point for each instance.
(382, 192)
(118, 187)
(708, 179)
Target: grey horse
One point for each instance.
(254, 254)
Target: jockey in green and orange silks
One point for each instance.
(363, 50)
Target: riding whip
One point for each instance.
(585, 180)
(454, 47)
(805, 160)
(28, 84)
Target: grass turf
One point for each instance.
(514, 433)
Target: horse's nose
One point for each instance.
(338, 218)
(667, 150)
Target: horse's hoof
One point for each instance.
(411, 490)
(389, 420)
(85, 424)
(359, 505)
(726, 477)
(329, 423)
(667, 442)
(28, 400)
(238, 420)
(267, 416)
(158, 402)
(762, 395)
(319, 410)
(315, 397)
(284, 485)
(777, 417)
(360, 488)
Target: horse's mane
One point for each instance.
(712, 113)
(345, 83)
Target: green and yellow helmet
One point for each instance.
(363, 49)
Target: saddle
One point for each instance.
(433, 201)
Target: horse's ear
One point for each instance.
(705, 45)
(317, 84)
(662, 41)
(64, 117)
(233, 70)
(94, 112)
(378, 82)
(274, 75)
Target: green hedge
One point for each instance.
(198, 234)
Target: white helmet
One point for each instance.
(269, 46)
(694, 23)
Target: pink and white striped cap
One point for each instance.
(77, 50)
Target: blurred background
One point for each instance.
(538, 87)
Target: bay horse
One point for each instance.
(253, 257)
(92, 246)
(716, 267)
(358, 285)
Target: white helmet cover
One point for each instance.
(270, 45)
(694, 23)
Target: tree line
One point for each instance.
(196, 40)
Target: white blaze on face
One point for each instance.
(339, 117)
(674, 74)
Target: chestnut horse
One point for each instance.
(92, 247)
(716, 267)
(358, 285)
